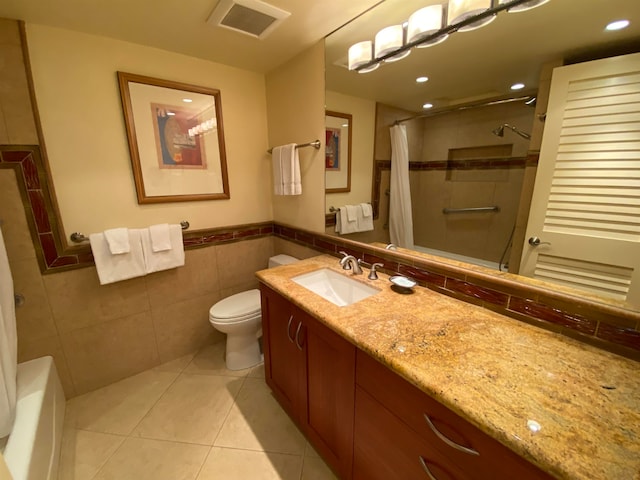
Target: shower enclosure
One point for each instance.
(466, 177)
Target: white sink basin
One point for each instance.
(335, 287)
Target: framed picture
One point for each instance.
(176, 140)
(337, 175)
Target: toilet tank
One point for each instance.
(281, 259)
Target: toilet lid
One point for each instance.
(239, 305)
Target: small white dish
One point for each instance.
(403, 282)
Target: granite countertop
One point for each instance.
(498, 373)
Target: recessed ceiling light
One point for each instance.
(422, 79)
(427, 106)
(517, 86)
(187, 100)
(617, 25)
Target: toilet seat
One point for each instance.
(237, 308)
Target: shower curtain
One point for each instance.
(8, 345)
(400, 221)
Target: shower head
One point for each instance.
(500, 131)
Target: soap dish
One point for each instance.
(402, 284)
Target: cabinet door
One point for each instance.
(281, 356)
(330, 379)
(385, 448)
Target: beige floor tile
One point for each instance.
(178, 365)
(257, 372)
(257, 422)
(232, 464)
(144, 459)
(314, 468)
(210, 361)
(119, 407)
(83, 453)
(191, 410)
(309, 451)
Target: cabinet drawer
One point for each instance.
(472, 450)
(385, 448)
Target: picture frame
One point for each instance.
(338, 127)
(176, 139)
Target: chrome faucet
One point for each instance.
(352, 262)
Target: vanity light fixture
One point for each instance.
(617, 25)
(388, 40)
(425, 28)
(461, 10)
(360, 54)
(425, 22)
(517, 86)
(422, 79)
(524, 6)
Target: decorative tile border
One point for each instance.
(600, 324)
(53, 255)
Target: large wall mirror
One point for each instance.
(473, 142)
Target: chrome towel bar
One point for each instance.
(78, 237)
(316, 144)
(494, 208)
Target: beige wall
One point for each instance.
(79, 102)
(295, 100)
(363, 114)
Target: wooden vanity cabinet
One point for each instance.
(311, 371)
(392, 429)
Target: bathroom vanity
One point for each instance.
(425, 386)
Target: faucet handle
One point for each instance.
(373, 274)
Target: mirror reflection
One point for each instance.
(472, 143)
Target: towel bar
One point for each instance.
(316, 144)
(78, 237)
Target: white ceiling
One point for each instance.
(180, 26)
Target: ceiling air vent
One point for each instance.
(251, 17)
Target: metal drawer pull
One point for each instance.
(297, 335)
(448, 441)
(289, 329)
(426, 468)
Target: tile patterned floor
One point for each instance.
(190, 419)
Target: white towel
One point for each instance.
(367, 210)
(156, 261)
(364, 223)
(8, 345)
(113, 268)
(352, 212)
(286, 170)
(160, 238)
(343, 225)
(118, 240)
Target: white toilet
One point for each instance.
(240, 318)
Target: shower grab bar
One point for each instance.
(78, 237)
(448, 211)
(315, 144)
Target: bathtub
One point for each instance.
(457, 257)
(33, 447)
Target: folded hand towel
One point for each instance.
(367, 210)
(286, 170)
(352, 212)
(160, 238)
(113, 268)
(118, 240)
(156, 261)
(364, 223)
(345, 226)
